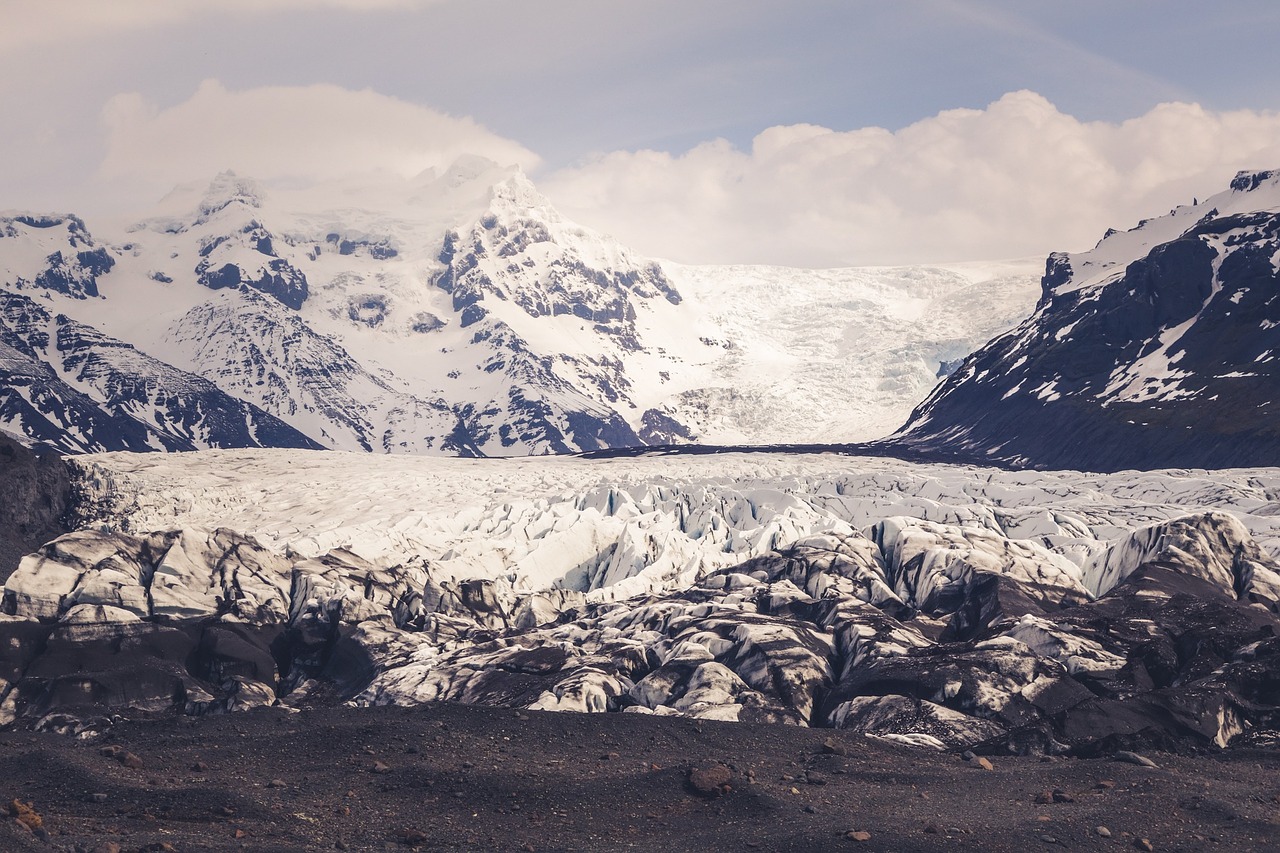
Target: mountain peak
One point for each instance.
(1248, 181)
(229, 188)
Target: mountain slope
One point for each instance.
(71, 386)
(1157, 348)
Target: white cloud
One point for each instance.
(1017, 178)
(283, 133)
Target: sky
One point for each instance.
(807, 132)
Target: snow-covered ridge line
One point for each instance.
(474, 319)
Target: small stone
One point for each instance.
(380, 767)
(1102, 831)
(339, 845)
(1044, 797)
(239, 833)
(412, 837)
(711, 781)
(1143, 844)
(199, 767)
(858, 835)
(968, 755)
(1061, 796)
(831, 746)
(277, 783)
(813, 777)
(97, 798)
(1105, 785)
(932, 829)
(225, 811)
(795, 791)
(1048, 839)
(128, 759)
(810, 810)
(984, 763)
(112, 751)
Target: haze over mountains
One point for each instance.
(469, 318)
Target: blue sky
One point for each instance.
(578, 83)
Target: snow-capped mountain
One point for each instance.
(69, 385)
(1159, 347)
(467, 316)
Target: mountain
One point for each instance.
(464, 315)
(1158, 348)
(68, 385)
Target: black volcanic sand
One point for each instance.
(464, 778)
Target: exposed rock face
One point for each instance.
(36, 486)
(69, 385)
(71, 261)
(873, 634)
(1158, 348)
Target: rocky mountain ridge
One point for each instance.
(1157, 348)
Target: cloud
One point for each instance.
(1015, 179)
(286, 133)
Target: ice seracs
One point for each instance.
(893, 599)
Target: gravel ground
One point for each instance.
(461, 778)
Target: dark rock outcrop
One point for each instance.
(1166, 359)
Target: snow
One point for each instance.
(619, 527)
(1117, 250)
(749, 355)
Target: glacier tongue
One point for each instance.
(872, 595)
(652, 521)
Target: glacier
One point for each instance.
(939, 605)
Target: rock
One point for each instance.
(128, 759)
(1044, 797)
(858, 835)
(711, 781)
(277, 783)
(968, 755)
(96, 798)
(104, 847)
(1061, 796)
(1135, 758)
(831, 746)
(412, 837)
(932, 829)
(982, 762)
(1102, 831)
(1143, 844)
(25, 814)
(380, 767)
(1048, 839)
(199, 767)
